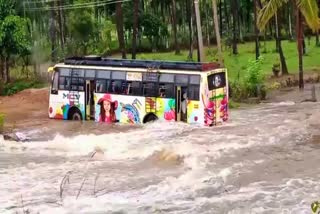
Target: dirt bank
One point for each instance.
(27, 105)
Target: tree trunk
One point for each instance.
(317, 39)
(64, 23)
(60, 17)
(174, 23)
(277, 32)
(7, 73)
(199, 32)
(220, 16)
(290, 25)
(234, 22)
(256, 30)
(1, 67)
(189, 18)
(119, 23)
(53, 34)
(304, 51)
(299, 44)
(240, 20)
(226, 13)
(194, 30)
(284, 68)
(216, 25)
(135, 28)
(207, 24)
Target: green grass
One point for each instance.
(237, 64)
(19, 85)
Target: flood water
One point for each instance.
(264, 160)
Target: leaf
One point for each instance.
(268, 11)
(315, 206)
(310, 10)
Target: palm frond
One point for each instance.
(310, 10)
(268, 11)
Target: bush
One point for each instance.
(1, 122)
(233, 104)
(254, 78)
(15, 87)
(252, 84)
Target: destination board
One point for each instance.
(151, 77)
(134, 76)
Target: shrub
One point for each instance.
(254, 78)
(15, 87)
(252, 83)
(1, 122)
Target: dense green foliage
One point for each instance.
(36, 32)
(20, 85)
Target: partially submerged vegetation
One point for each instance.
(1, 123)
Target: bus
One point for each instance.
(138, 91)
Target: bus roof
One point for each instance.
(146, 64)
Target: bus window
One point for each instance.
(117, 87)
(166, 90)
(193, 92)
(150, 89)
(194, 79)
(134, 88)
(90, 74)
(77, 73)
(77, 84)
(103, 74)
(64, 83)
(102, 86)
(65, 72)
(118, 75)
(55, 82)
(166, 78)
(182, 79)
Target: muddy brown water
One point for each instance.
(264, 160)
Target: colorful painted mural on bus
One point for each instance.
(208, 105)
(221, 100)
(215, 103)
(165, 109)
(60, 110)
(193, 112)
(131, 112)
(114, 108)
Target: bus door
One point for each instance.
(181, 103)
(90, 110)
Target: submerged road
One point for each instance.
(264, 160)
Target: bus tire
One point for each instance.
(150, 118)
(74, 114)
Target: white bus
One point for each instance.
(138, 91)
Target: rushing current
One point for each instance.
(263, 160)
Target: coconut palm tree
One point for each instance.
(135, 28)
(216, 25)
(307, 8)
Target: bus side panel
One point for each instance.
(215, 101)
(130, 109)
(207, 106)
(63, 101)
(221, 101)
(165, 109)
(194, 112)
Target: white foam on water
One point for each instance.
(198, 185)
(291, 196)
(287, 103)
